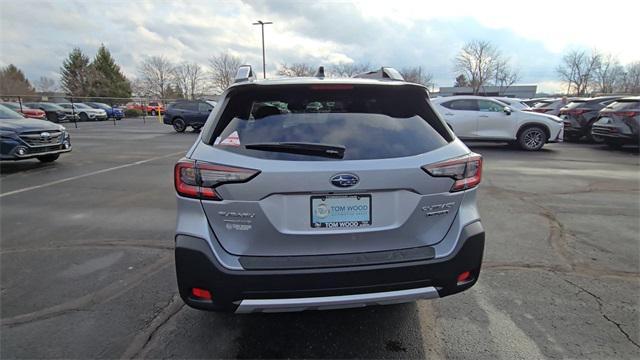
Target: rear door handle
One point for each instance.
(484, 115)
(448, 113)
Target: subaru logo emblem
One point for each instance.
(45, 136)
(344, 180)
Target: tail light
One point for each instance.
(626, 113)
(465, 170)
(198, 180)
(577, 111)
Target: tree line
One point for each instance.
(478, 64)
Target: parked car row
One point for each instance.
(59, 112)
(613, 119)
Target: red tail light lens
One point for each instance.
(198, 180)
(201, 294)
(465, 170)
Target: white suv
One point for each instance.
(482, 118)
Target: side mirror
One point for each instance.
(507, 110)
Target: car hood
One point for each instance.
(535, 115)
(22, 125)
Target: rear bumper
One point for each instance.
(392, 280)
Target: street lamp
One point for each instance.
(262, 24)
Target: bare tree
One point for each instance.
(348, 69)
(189, 78)
(223, 69)
(608, 74)
(156, 73)
(505, 75)
(630, 79)
(578, 70)
(46, 85)
(296, 69)
(417, 75)
(477, 62)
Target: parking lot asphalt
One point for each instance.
(87, 264)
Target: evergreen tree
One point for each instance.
(76, 74)
(13, 82)
(461, 81)
(109, 81)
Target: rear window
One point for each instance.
(543, 104)
(624, 105)
(370, 122)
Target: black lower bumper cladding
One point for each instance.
(197, 267)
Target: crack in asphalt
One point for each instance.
(139, 344)
(581, 271)
(105, 294)
(599, 300)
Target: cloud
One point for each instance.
(378, 32)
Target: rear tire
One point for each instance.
(48, 158)
(179, 125)
(532, 138)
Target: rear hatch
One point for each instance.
(621, 117)
(327, 169)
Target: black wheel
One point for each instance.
(48, 158)
(153, 113)
(532, 138)
(179, 125)
(84, 117)
(196, 127)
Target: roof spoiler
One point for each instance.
(244, 73)
(384, 73)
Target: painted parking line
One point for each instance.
(88, 174)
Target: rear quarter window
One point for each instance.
(371, 122)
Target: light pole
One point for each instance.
(262, 24)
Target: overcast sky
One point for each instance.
(36, 36)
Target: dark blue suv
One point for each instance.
(112, 112)
(184, 113)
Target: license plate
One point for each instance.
(340, 211)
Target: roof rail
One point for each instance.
(384, 73)
(244, 73)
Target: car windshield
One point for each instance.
(7, 113)
(13, 106)
(101, 106)
(82, 106)
(369, 122)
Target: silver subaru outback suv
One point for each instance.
(319, 193)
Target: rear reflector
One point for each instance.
(201, 294)
(198, 179)
(465, 170)
(464, 277)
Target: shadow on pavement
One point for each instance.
(391, 331)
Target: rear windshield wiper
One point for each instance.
(330, 151)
